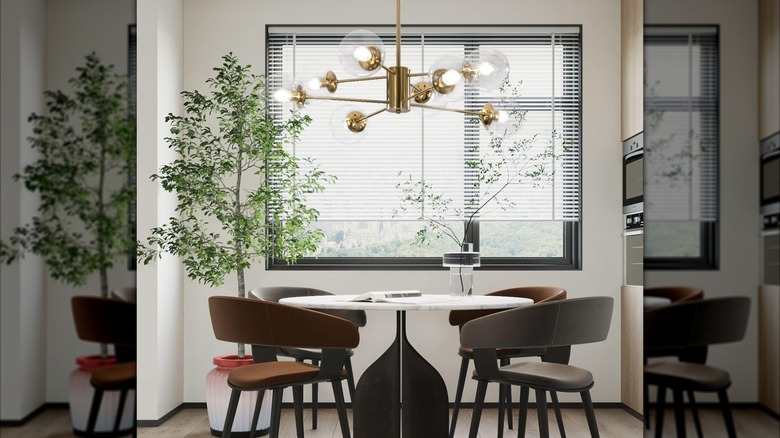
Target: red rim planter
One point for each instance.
(218, 396)
(80, 399)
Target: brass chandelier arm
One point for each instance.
(348, 99)
(418, 93)
(414, 75)
(370, 78)
(452, 110)
(373, 114)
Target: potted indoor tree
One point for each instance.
(86, 148)
(509, 158)
(241, 196)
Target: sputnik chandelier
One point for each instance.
(362, 54)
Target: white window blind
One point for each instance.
(681, 124)
(432, 145)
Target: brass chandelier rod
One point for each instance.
(452, 110)
(373, 114)
(370, 78)
(346, 99)
(398, 35)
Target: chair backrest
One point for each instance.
(697, 323)
(105, 320)
(540, 294)
(550, 324)
(676, 294)
(276, 293)
(258, 322)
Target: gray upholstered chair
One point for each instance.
(357, 317)
(540, 294)
(693, 324)
(698, 354)
(270, 325)
(553, 324)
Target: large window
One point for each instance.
(681, 147)
(361, 213)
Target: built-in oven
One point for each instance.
(633, 181)
(770, 181)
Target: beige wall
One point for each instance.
(211, 29)
(22, 289)
(739, 209)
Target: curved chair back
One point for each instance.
(550, 324)
(104, 320)
(276, 293)
(697, 323)
(675, 294)
(540, 294)
(258, 322)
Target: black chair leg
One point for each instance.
(541, 412)
(522, 414)
(695, 413)
(479, 399)
(558, 416)
(256, 415)
(501, 397)
(276, 412)
(314, 396)
(350, 378)
(94, 410)
(231, 413)
(507, 400)
(660, 411)
(118, 419)
(723, 398)
(646, 405)
(338, 393)
(679, 412)
(587, 403)
(464, 364)
(298, 406)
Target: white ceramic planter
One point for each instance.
(80, 399)
(218, 397)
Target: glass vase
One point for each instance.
(461, 264)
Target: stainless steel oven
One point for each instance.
(770, 180)
(633, 181)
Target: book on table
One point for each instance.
(380, 296)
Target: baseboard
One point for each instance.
(164, 418)
(769, 412)
(33, 414)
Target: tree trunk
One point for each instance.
(242, 294)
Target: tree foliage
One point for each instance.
(241, 194)
(506, 160)
(85, 143)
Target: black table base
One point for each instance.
(401, 391)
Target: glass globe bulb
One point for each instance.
(361, 52)
(314, 84)
(492, 68)
(283, 95)
(502, 117)
(451, 77)
(446, 77)
(339, 125)
(485, 68)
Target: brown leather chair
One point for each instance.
(270, 325)
(693, 324)
(675, 294)
(357, 317)
(539, 294)
(108, 321)
(555, 324)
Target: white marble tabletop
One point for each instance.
(424, 302)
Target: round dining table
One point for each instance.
(402, 394)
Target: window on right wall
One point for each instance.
(681, 147)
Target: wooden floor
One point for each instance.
(613, 423)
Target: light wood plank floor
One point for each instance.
(613, 423)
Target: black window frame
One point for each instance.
(572, 230)
(709, 237)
